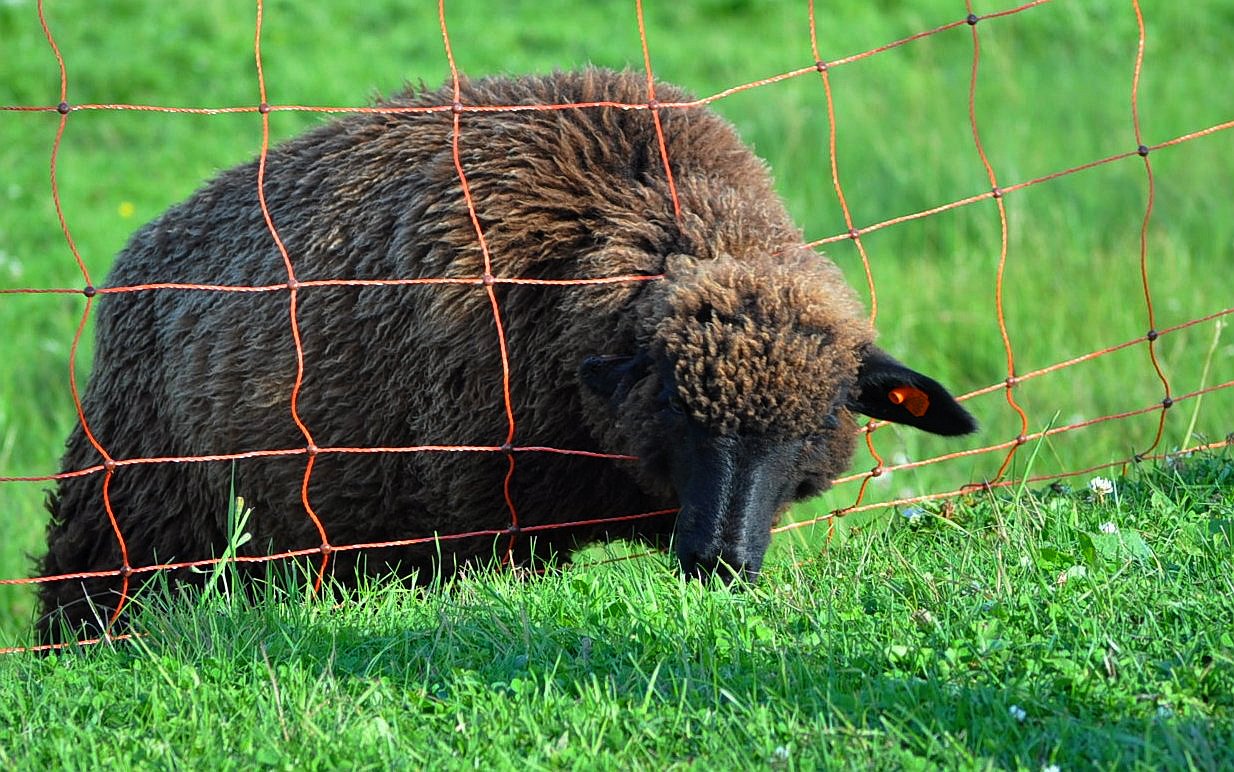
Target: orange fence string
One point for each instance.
(489, 280)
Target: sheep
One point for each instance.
(730, 365)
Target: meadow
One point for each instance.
(1061, 628)
(892, 643)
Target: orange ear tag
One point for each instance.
(913, 399)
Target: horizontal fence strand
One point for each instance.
(659, 115)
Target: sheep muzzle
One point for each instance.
(730, 491)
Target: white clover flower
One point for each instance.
(1074, 572)
(1108, 527)
(924, 618)
(1051, 768)
(780, 754)
(11, 265)
(1101, 486)
(1018, 713)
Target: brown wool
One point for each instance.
(759, 333)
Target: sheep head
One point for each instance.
(741, 398)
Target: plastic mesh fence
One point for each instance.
(997, 455)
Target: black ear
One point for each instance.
(890, 391)
(612, 377)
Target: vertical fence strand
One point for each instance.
(488, 282)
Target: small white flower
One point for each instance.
(1025, 561)
(1018, 713)
(1051, 768)
(780, 753)
(1108, 527)
(1101, 486)
(924, 618)
(1075, 572)
(1164, 711)
(11, 265)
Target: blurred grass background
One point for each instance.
(1053, 92)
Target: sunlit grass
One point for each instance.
(1077, 626)
(1053, 92)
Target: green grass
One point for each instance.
(1021, 631)
(1053, 92)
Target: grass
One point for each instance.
(1050, 626)
(846, 673)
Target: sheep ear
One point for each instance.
(612, 377)
(890, 391)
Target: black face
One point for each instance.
(731, 487)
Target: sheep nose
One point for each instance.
(720, 567)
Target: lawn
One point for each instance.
(1085, 627)
(831, 657)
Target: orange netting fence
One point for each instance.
(821, 68)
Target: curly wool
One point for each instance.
(763, 347)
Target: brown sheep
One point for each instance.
(732, 378)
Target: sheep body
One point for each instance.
(748, 335)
